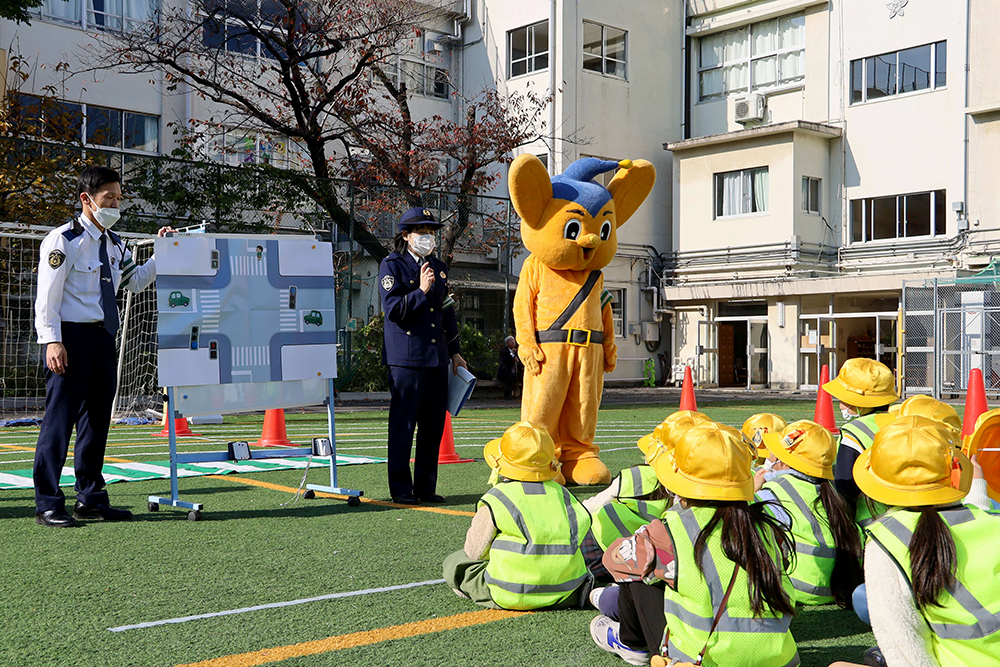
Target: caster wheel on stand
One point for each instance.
(194, 515)
(153, 507)
(309, 494)
(353, 501)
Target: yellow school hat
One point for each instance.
(913, 462)
(710, 462)
(864, 383)
(805, 446)
(524, 452)
(923, 406)
(986, 436)
(661, 440)
(756, 426)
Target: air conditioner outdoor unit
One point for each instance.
(434, 46)
(749, 108)
(493, 252)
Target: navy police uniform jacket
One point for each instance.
(420, 329)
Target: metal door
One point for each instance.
(758, 363)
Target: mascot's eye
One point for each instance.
(571, 230)
(606, 230)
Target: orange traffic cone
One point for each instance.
(274, 434)
(975, 401)
(688, 401)
(823, 415)
(181, 429)
(447, 452)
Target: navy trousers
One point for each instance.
(81, 396)
(418, 398)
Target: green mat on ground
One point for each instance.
(135, 472)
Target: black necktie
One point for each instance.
(108, 303)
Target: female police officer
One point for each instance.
(421, 337)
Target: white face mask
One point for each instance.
(106, 217)
(422, 244)
(847, 414)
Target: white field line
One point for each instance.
(275, 605)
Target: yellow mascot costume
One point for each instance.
(562, 313)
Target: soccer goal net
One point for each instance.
(22, 369)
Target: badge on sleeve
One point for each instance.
(56, 258)
(387, 282)
(443, 275)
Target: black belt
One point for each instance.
(86, 324)
(581, 337)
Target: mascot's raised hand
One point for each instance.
(562, 312)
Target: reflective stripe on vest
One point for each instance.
(986, 622)
(815, 567)
(535, 561)
(625, 514)
(691, 609)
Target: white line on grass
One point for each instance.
(274, 605)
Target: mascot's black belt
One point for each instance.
(581, 337)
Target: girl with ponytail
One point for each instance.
(801, 495)
(931, 562)
(706, 584)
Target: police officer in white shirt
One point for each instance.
(82, 265)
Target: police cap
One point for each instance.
(416, 217)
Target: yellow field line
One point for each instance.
(322, 494)
(18, 448)
(355, 639)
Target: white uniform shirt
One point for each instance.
(69, 276)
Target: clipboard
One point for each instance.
(460, 386)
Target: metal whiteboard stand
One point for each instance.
(154, 502)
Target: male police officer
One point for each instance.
(82, 265)
(421, 337)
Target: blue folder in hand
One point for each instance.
(460, 386)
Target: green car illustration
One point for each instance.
(178, 299)
(314, 317)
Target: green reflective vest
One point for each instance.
(814, 544)
(863, 429)
(966, 629)
(739, 639)
(626, 513)
(535, 560)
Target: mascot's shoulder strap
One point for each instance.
(577, 301)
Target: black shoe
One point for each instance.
(874, 657)
(433, 498)
(83, 513)
(406, 499)
(55, 518)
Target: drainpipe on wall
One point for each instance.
(552, 86)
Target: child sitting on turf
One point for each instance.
(635, 497)
(522, 550)
(712, 572)
(931, 560)
(828, 547)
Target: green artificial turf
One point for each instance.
(63, 588)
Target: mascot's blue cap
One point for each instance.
(577, 183)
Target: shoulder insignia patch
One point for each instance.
(387, 282)
(56, 258)
(444, 276)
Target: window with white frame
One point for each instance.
(899, 72)
(101, 14)
(618, 311)
(224, 27)
(898, 216)
(528, 49)
(237, 147)
(604, 49)
(810, 194)
(762, 56)
(94, 125)
(741, 192)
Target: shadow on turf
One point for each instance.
(845, 636)
(303, 508)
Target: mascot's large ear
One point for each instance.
(530, 188)
(630, 187)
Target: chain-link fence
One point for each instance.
(951, 326)
(252, 199)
